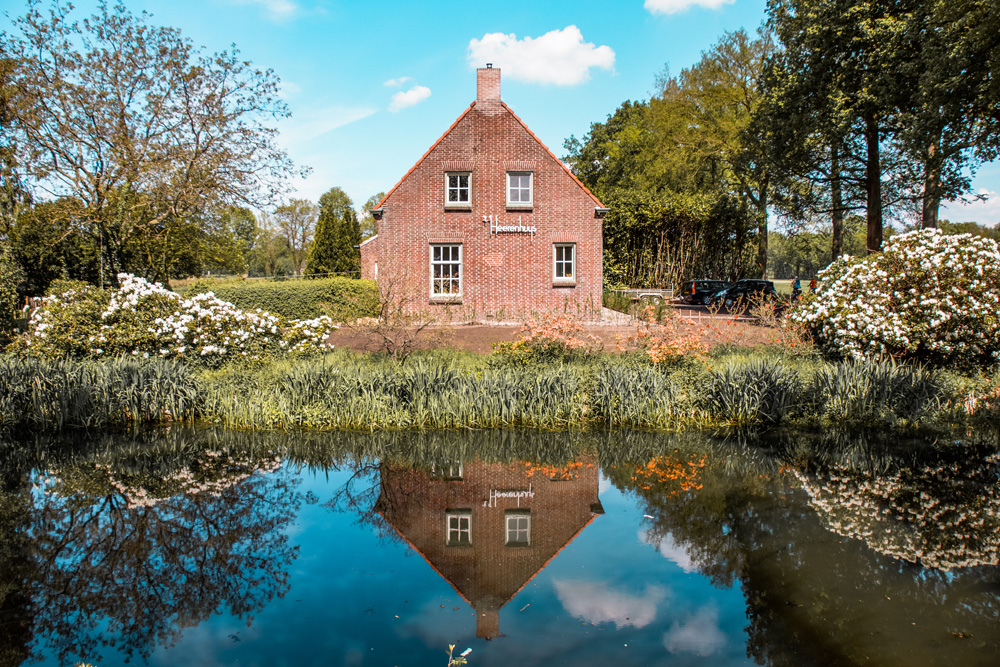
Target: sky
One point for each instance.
(372, 84)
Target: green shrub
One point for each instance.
(140, 319)
(875, 390)
(926, 296)
(760, 391)
(342, 299)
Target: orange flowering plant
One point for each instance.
(552, 336)
(664, 340)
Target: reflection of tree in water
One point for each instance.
(127, 558)
(944, 515)
(814, 597)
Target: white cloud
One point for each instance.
(409, 98)
(559, 57)
(306, 125)
(985, 210)
(287, 89)
(699, 634)
(670, 550)
(598, 603)
(397, 82)
(279, 10)
(677, 6)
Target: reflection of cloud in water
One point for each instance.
(698, 633)
(669, 549)
(596, 602)
(603, 485)
(435, 625)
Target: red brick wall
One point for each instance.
(504, 273)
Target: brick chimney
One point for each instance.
(487, 84)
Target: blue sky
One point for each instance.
(372, 84)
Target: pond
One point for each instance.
(204, 547)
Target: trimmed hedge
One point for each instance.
(343, 298)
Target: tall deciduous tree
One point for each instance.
(297, 223)
(139, 125)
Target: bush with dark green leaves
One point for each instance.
(343, 299)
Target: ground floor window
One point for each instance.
(446, 270)
(518, 528)
(459, 527)
(564, 261)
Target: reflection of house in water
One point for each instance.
(489, 528)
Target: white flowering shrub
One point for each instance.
(142, 319)
(926, 296)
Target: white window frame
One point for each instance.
(520, 189)
(439, 281)
(467, 203)
(517, 524)
(561, 263)
(458, 528)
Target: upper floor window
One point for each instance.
(564, 261)
(458, 188)
(446, 270)
(519, 188)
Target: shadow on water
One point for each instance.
(848, 548)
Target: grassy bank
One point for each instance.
(451, 390)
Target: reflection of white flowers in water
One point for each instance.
(699, 633)
(209, 476)
(596, 602)
(940, 517)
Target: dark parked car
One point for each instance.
(744, 293)
(701, 291)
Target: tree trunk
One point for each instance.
(873, 184)
(837, 201)
(932, 184)
(762, 228)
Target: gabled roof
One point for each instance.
(597, 202)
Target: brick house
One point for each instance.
(489, 528)
(489, 221)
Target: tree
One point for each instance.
(147, 131)
(718, 97)
(297, 223)
(367, 222)
(337, 235)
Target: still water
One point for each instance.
(217, 548)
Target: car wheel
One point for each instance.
(729, 302)
(705, 300)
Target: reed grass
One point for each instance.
(60, 394)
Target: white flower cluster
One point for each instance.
(915, 516)
(926, 295)
(145, 319)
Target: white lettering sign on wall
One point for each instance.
(497, 494)
(497, 227)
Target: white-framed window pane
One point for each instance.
(519, 187)
(518, 527)
(564, 261)
(458, 188)
(446, 269)
(459, 527)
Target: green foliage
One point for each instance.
(660, 240)
(142, 320)
(342, 299)
(874, 391)
(54, 395)
(337, 234)
(760, 391)
(927, 296)
(11, 278)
